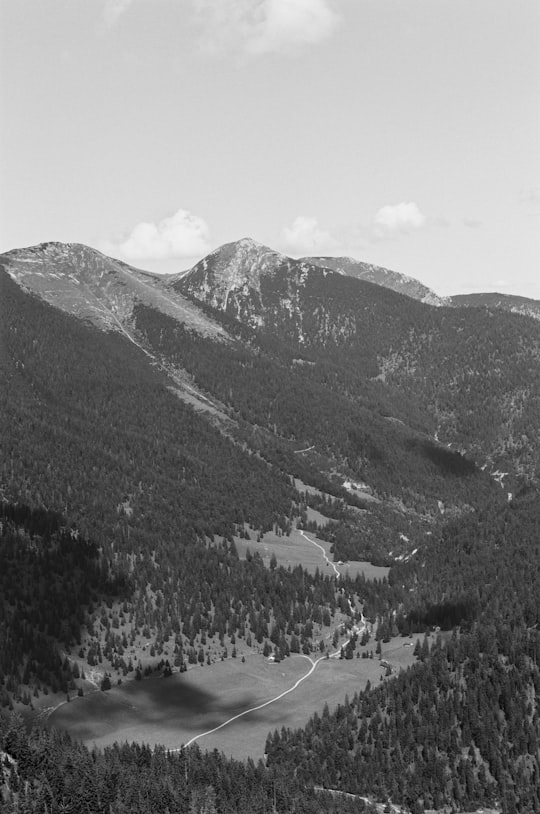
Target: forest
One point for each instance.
(472, 374)
(119, 505)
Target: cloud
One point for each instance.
(113, 10)
(306, 237)
(256, 27)
(396, 219)
(180, 235)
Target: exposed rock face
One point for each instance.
(233, 269)
(97, 288)
(248, 281)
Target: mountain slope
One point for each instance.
(97, 288)
(93, 423)
(104, 292)
(412, 385)
(508, 302)
(318, 375)
(425, 377)
(243, 279)
(468, 379)
(380, 276)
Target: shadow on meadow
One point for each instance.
(137, 708)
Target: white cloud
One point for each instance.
(256, 27)
(306, 237)
(180, 235)
(395, 219)
(113, 10)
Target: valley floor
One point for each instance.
(182, 708)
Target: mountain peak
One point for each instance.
(245, 249)
(88, 284)
(249, 243)
(232, 273)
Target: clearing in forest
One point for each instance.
(172, 711)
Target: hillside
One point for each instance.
(153, 428)
(381, 276)
(435, 369)
(525, 306)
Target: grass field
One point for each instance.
(172, 711)
(296, 550)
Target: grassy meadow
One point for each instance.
(171, 711)
(296, 550)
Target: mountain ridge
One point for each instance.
(93, 286)
(238, 254)
(515, 304)
(315, 315)
(379, 275)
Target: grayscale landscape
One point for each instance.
(270, 407)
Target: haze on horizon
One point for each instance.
(404, 133)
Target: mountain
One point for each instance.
(234, 278)
(104, 292)
(244, 279)
(408, 380)
(380, 276)
(508, 302)
(451, 373)
(97, 288)
(136, 533)
(421, 390)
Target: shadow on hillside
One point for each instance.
(48, 574)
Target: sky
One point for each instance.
(404, 133)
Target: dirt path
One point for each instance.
(329, 562)
(281, 695)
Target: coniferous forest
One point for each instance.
(122, 507)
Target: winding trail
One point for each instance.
(329, 562)
(265, 703)
(285, 692)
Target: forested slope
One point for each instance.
(462, 728)
(459, 729)
(472, 376)
(313, 401)
(48, 772)
(119, 504)
(92, 429)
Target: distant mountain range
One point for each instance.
(100, 292)
(407, 380)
